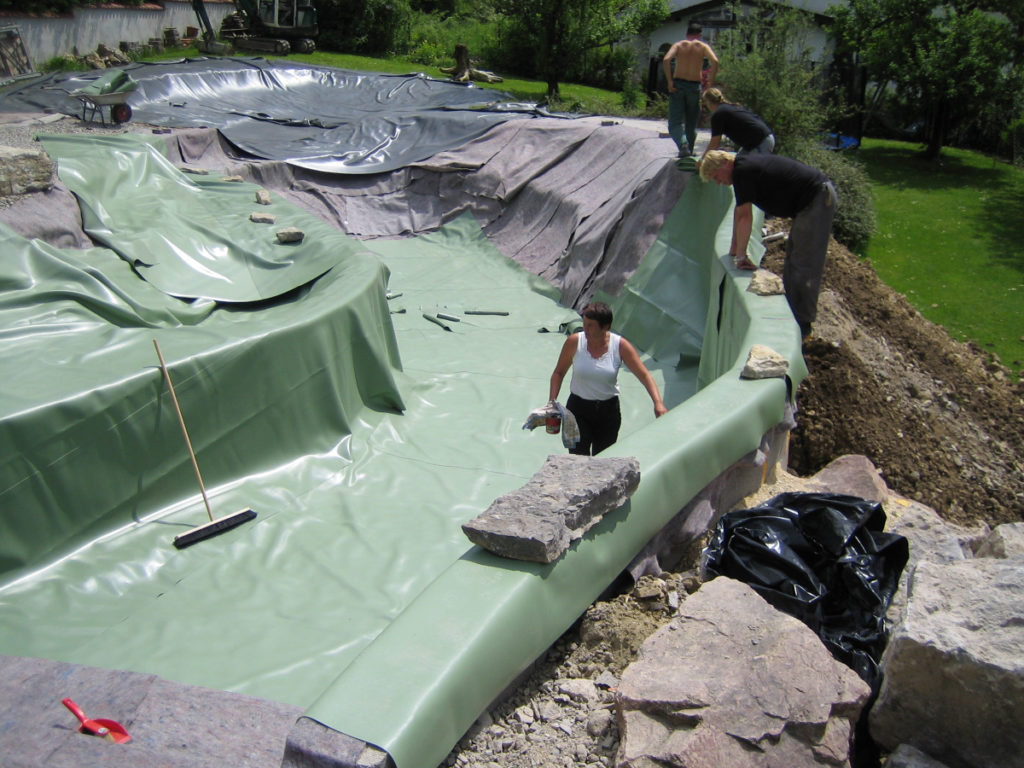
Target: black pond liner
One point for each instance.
(822, 558)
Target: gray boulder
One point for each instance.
(25, 170)
(765, 283)
(954, 668)
(931, 538)
(764, 363)
(566, 497)
(1006, 540)
(907, 756)
(733, 682)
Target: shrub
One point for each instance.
(855, 221)
(766, 66)
(364, 26)
(432, 40)
(65, 63)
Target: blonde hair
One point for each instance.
(712, 161)
(713, 96)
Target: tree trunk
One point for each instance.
(463, 72)
(936, 129)
(461, 63)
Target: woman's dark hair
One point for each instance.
(598, 310)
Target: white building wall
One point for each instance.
(86, 28)
(817, 38)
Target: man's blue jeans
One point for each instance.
(684, 105)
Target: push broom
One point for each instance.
(215, 526)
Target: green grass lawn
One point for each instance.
(951, 238)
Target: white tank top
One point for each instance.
(596, 379)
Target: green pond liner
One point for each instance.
(362, 436)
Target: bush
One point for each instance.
(432, 40)
(364, 26)
(766, 67)
(855, 221)
(65, 63)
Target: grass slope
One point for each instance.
(951, 238)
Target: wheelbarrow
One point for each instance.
(116, 103)
(110, 91)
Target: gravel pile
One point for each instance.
(20, 130)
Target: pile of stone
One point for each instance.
(102, 58)
(727, 680)
(733, 678)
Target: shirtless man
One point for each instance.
(684, 85)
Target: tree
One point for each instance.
(556, 32)
(363, 26)
(947, 60)
(766, 65)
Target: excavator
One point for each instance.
(272, 26)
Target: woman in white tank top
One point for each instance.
(595, 356)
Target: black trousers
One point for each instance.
(599, 422)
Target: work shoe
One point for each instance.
(687, 163)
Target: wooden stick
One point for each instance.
(184, 430)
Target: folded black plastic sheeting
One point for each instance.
(364, 122)
(822, 558)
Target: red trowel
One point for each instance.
(108, 729)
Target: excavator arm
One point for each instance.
(209, 42)
(204, 21)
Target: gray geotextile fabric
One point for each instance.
(334, 120)
(575, 202)
(171, 725)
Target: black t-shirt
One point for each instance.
(779, 186)
(743, 127)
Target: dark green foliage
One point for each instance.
(364, 26)
(573, 40)
(433, 36)
(855, 220)
(64, 64)
(956, 68)
(766, 65)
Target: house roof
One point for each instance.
(819, 7)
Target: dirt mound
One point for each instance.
(943, 423)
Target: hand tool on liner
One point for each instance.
(108, 729)
(215, 526)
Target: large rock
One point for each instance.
(566, 497)
(764, 363)
(907, 756)
(765, 283)
(731, 682)
(931, 538)
(954, 668)
(25, 170)
(1007, 540)
(852, 475)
